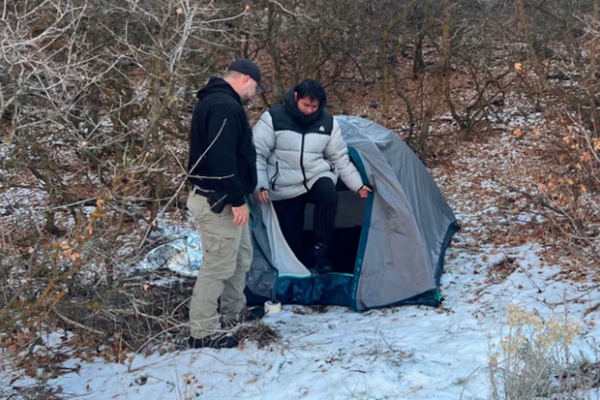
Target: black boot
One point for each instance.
(247, 315)
(322, 263)
(252, 314)
(216, 341)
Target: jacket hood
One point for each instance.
(217, 85)
(292, 108)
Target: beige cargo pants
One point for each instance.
(227, 255)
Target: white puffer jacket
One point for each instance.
(293, 152)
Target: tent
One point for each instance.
(387, 249)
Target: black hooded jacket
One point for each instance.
(231, 158)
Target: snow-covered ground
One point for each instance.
(395, 353)
(406, 352)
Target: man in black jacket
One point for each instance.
(222, 171)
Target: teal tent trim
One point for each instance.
(452, 229)
(325, 289)
(364, 233)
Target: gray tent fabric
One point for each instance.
(409, 219)
(405, 226)
(273, 258)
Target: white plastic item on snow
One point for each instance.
(271, 307)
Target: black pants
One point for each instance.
(290, 213)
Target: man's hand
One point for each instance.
(241, 215)
(263, 196)
(364, 191)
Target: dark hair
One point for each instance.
(311, 89)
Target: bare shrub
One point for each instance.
(95, 98)
(535, 359)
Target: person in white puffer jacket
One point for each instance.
(300, 154)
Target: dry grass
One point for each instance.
(29, 393)
(535, 360)
(259, 332)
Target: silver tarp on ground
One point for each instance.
(182, 255)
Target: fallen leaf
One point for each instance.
(585, 157)
(518, 67)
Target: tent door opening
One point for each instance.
(343, 248)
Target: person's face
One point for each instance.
(249, 89)
(306, 105)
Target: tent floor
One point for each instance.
(342, 250)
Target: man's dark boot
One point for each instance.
(247, 315)
(252, 314)
(322, 263)
(216, 341)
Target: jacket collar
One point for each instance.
(218, 85)
(301, 119)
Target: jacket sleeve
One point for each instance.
(337, 152)
(223, 130)
(264, 141)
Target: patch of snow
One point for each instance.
(404, 352)
(12, 377)
(5, 150)
(22, 204)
